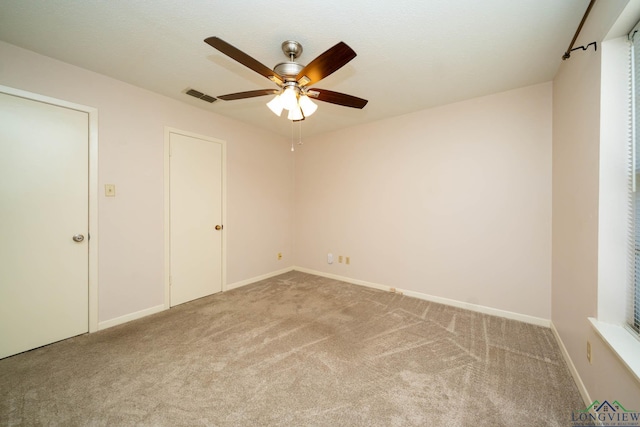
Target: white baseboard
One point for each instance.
(539, 321)
(572, 368)
(343, 278)
(467, 306)
(446, 301)
(153, 310)
(245, 282)
(129, 317)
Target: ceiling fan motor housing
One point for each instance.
(288, 70)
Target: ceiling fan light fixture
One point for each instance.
(307, 105)
(295, 114)
(289, 98)
(276, 105)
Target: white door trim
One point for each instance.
(93, 190)
(167, 208)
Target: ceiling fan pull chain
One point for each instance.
(292, 136)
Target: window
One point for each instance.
(618, 257)
(634, 164)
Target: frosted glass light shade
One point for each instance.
(276, 105)
(295, 114)
(289, 99)
(307, 105)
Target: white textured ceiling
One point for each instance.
(412, 54)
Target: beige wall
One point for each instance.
(131, 138)
(453, 202)
(576, 198)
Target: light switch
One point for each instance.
(110, 190)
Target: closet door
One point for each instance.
(44, 192)
(195, 217)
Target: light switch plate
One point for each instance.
(110, 190)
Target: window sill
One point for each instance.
(622, 342)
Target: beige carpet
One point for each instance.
(296, 350)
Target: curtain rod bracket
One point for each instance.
(567, 54)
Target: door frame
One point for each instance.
(92, 114)
(167, 207)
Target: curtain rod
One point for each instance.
(567, 54)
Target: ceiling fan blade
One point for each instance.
(337, 98)
(325, 64)
(248, 94)
(242, 58)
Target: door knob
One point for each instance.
(78, 238)
(218, 227)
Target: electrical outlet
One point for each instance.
(589, 352)
(279, 256)
(347, 260)
(340, 259)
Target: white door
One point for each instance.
(195, 194)
(43, 205)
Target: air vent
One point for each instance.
(195, 93)
(200, 95)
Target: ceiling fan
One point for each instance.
(293, 79)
